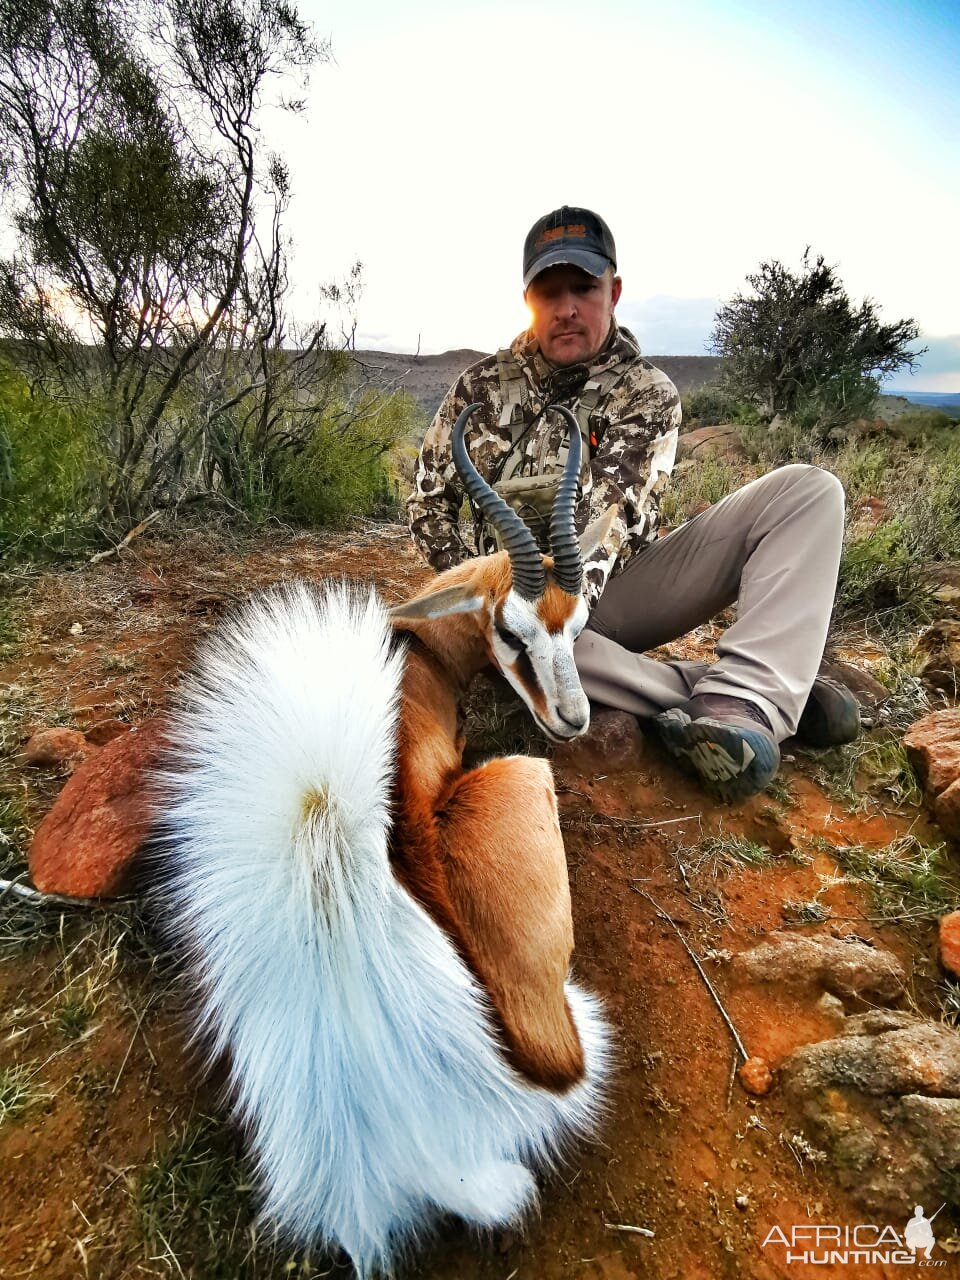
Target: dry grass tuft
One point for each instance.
(19, 1091)
(911, 882)
(196, 1211)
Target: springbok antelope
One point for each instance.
(382, 939)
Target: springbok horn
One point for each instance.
(564, 543)
(529, 579)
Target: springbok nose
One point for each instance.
(577, 725)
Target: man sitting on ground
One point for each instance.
(772, 547)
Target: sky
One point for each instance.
(710, 136)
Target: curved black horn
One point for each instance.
(529, 579)
(564, 543)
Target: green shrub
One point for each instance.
(344, 468)
(925, 426)
(706, 481)
(883, 569)
(876, 568)
(47, 460)
(773, 446)
(845, 397)
(863, 469)
(712, 404)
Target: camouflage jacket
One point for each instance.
(635, 426)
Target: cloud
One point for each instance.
(938, 370)
(943, 356)
(670, 326)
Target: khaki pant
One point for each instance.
(773, 549)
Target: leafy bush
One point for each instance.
(48, 462)
(782, 443)
(712, 404)
(926, 426)
(343, 468)
(796, 345)
(876, 568)
(883, 569)
(863, 469)
(320, 467)
(847, 396)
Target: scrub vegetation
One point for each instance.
(169, 374)
(903, 507)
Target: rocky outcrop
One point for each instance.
(868, 691)
(933, 746)
(883, 1099)
(87, 844)
(57, 746)
(938, 648)
(942, 580)
(712, 442)
(614, 738)
(845, 967)
(949, 939)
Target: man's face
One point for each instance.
(571, 312)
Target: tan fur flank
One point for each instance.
(508, 885)
(496, 882)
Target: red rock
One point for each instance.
(868, 513)
(614, 739)
(756, 1076)
(57, 746)
(86, 845)
(950, 942)
(933, 745)
(105, 731)
(946, 809)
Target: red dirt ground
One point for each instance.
(684, 1152)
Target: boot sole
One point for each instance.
(731, 762)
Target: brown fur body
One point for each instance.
(481, 850)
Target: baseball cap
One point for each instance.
(572, 235)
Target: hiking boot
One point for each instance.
(831, 716)
(728, 742)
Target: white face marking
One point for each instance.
(563, 711)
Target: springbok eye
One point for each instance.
(509, 638)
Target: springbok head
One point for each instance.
(529, 607)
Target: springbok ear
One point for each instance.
(596, 533)
(439, 604)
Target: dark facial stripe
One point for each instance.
(509, 638)
(528, 678)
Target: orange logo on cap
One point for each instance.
(558, 233)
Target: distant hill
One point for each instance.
(428, 378)
(945, 401)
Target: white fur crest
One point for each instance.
(363, 1060)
